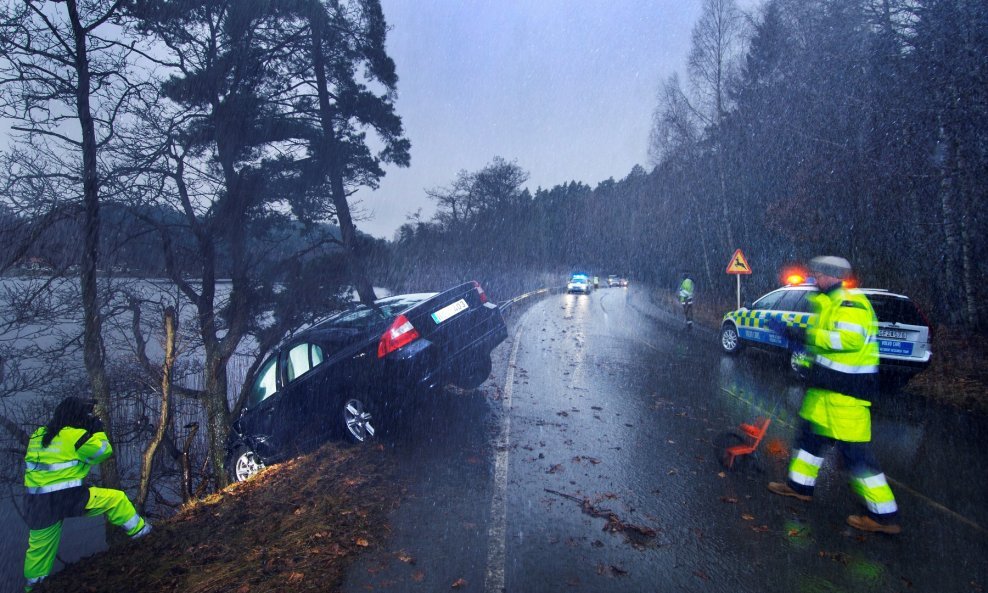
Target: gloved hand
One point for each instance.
(94, 424)
(796, 334)
(777, 325)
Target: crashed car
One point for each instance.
(353, 373)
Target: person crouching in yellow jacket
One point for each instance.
(59, 456)
(843, 341)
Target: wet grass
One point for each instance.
(296, 526)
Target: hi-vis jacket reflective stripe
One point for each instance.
(60, 465)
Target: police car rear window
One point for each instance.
(768, 301)
(890, 309)
(792, 301)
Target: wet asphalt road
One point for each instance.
(605, 398)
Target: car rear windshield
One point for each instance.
(893, 309)
(363, 316)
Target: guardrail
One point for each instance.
(506, 305)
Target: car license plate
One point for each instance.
(449, 311)
(893, 334)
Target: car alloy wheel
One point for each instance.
(729, 340)
(245, 464)
(357, 420)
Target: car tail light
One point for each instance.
(401, 333)
(480, 291)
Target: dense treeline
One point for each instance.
(851, 127)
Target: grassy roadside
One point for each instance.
(957, 375)
(297, 526)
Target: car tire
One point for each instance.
(243, 463)
(730, 341)
(476, 373)
(357, 421)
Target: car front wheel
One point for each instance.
(358, 422)
(243, 464)
(729, 339)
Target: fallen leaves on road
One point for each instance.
(747, 517)
(406, 557)
(458, 583)
(418, 576)
(555, 469)
(363, 543)
(729, 499)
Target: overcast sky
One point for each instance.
(566, 88)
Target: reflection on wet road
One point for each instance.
(593, 469)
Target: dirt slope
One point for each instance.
(296, 526)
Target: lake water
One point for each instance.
(84, 536)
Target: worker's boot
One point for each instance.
(866, 523)
(783, 489)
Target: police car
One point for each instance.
(579, 283)
(903, 330)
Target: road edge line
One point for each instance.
(494, 576)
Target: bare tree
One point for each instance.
(64, 82)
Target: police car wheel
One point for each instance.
(729, 339)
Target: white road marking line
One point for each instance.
(494, 578)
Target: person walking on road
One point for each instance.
(59, 456)
(842, 339)
(686, 298)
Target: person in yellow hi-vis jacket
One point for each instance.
(59, 455)
(842, 339)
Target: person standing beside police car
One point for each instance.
(842, 340)
(59, 456)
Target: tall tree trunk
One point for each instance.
(348, 230)
(93, 348)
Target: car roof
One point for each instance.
(872, 291)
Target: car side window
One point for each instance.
(297, 362)
(301, 359)
(768, 301)
(790, 300)
(266, 382)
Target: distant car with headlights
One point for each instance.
(903, 330)
(613, 280)
(355, 371)
(579, 283)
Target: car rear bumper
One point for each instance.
(421, 366)
(894, 365)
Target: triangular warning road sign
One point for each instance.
(738, 264)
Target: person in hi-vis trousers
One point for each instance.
(59, 455)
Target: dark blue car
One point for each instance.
(349, 374)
